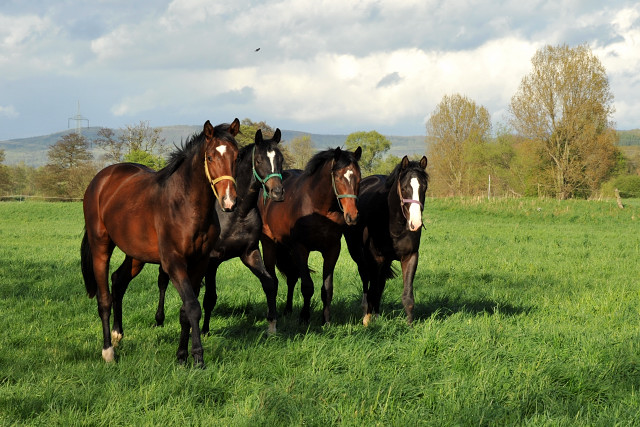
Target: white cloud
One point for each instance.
(8, 111)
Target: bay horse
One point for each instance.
(389, 229)
(318, 203)
(258, 172)
(166, 217)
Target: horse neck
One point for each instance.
(324, 196)
(247, 187)
(394, 205)
(194, 179)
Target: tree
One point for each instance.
(565, 104)
(5, 177)
(130, 142)
(69, 169)
(374, 147)
(301, 149)
(457, 132)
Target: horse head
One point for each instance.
(411, 186)
(221, 151)
(267, 165)
(345, 176)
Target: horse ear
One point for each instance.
(404, 162)
(258, 139)
(358, 153)
(423, 162)
(277, 135)
(208, 130)
(336, 153)
(234, 129)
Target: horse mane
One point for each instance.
(395, 173)
(190, 148)
(244, 151)
(320, 158)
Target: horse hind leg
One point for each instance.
(100, 254)
(120, 280)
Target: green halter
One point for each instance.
(265, 193)
(335, 190)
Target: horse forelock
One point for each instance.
(397, 171)
(319, 159)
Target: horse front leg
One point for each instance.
(253, 260)
(210, 293)
(190, 314)
(329, 265)
(163, 283)
(409, 267)
(120, 280)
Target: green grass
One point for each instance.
(526, 313)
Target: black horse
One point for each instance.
(389, 229)
(258, 170)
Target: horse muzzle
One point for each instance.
(350, 219)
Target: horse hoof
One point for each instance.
(366, 320)
(115, 338)
(271, 330)
(108, 354)
(198, 362)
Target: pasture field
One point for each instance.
(527, 312)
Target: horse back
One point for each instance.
(120, 201)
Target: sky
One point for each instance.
(323, 66)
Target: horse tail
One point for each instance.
(390, 272)
(86, 263)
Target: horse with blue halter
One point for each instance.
(258, 173)
(319, 203)
(389, 229)
(166, 217)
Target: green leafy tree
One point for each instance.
(146, 158)
(457, 132)
(565, 104)
(374, 147)
(301, 149)
(5, 176)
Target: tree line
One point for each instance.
(559, 141)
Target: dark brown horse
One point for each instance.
(389, 229)
(258, 172)
(166, 217)
(318, 202)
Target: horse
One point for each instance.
(318, 203)
(259, 172)
(389, 229)
(166, 217)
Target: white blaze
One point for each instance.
(222, 149)
(348, 175)
(415, 214)
(272, 156)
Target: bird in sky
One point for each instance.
(257, 49)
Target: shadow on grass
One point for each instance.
(440, 303)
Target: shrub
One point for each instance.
(628, 185)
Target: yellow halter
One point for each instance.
(213, 182)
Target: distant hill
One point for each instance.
(33, 151)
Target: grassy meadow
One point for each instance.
(527, 312)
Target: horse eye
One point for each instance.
(209, 158)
